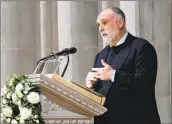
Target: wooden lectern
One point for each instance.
(69, 95)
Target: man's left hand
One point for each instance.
(105, 72)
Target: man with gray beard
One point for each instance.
(125, 72)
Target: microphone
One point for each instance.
(63, 52)
(66, 51)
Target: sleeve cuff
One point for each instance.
(113, 76)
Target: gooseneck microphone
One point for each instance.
(63, 52)
(66, 51)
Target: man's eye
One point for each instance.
(104, 23)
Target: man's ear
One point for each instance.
(121, 23)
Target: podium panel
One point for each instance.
(65, 96)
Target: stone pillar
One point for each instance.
(129, 9)
(55, 41)
(19, 41)
(155, 25)
(48, 42)
(108, 3)
(54, 26)
(77, 28)
(46, 32)
(0, 41)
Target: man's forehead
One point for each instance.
(106, 14)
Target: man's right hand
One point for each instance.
(90, 79)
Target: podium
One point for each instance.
(69, 95)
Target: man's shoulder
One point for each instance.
(139, 42)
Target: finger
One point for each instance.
(91, 75)
(96, 69)
(91, 78)
(90, 84)
(104, 63)
(101, 77)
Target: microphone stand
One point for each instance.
(67, 55)
(39, 67)
(46, 58)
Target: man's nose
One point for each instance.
(101, 28)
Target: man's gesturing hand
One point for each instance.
(103, 73)
(90, 79)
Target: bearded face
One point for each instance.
(108, 26)
(108, 35)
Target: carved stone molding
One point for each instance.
(67, 120)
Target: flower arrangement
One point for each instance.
(20, 101)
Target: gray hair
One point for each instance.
(118, 11)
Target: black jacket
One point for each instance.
(130, 99)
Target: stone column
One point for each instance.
(77, 28)
(0, 41)
(155, 25)
(54, 26)
(48, 42)
(19, 41)
(109, 3)
(46, 32)
(55, 41)
(129, 9)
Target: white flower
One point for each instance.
(37, 121)
(4, 101)
(18, 103)
(11, 82)
(14, 98)
(7, 111)
(8, 120)
(14, 121)
(21, 121)
(27, 87)
(33, 97)
(25, 113)
(19, 87)
(25, 91)
(22, 82)
(4, 90)
(9, 95)
(19, 94)
(36, 116)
